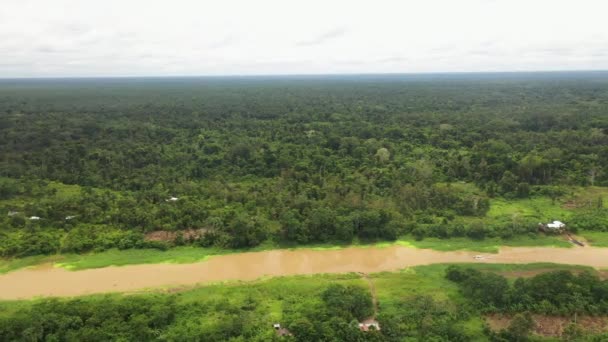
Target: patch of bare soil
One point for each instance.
(498, 322)
(571, 204)
(552, 326)
(576, 240)
(166, 235)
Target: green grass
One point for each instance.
(588, 196)
(65, 190)
(116, 257)
(177, 255)
(474, 328)
(541, 208)
(190, 254)
(391, 287)
(487, 245)
(595, 239)
(7, 265)
(544, 209)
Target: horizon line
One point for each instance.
(438, 73)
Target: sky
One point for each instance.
(93, 38)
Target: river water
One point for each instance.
(54, 281)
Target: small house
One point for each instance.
(172, 199)
(281, 331)
(35, 218)
(369, 325)
(70, 217)
(12, 213)
(553, 227)
(556, 225)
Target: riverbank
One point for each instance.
(191, 254)
(53, 281)
(276, 299)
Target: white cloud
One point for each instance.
(188, 37)
(324, 37)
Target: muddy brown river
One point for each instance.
(54, 281)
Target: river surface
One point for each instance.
(55, 281)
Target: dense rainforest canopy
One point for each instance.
(96, 163)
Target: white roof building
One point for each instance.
(368, 324)
(34, 218)
(556, 225)
(172, 199)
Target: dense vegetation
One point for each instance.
(293, 160)
(145, 318)
(557, 293)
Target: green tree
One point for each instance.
(520, 327)
(573, 332)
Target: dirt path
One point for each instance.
(372, 290)
(577, 241)
(53, 281)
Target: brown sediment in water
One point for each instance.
(28, 283)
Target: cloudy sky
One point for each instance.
(44, 38)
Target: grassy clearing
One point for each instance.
(588, 196)
(391, 287)
(545, 209)
(541, 208)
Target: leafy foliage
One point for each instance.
(556, 292)
(294, 160)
